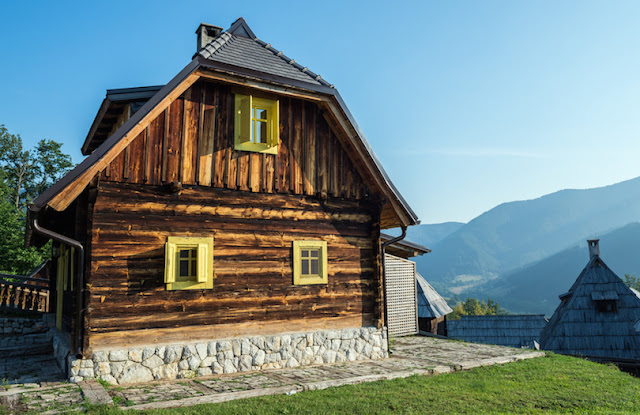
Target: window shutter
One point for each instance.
(203, 260)
(275, 124)
(243, 118)
(169, 263)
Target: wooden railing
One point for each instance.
(20, 293)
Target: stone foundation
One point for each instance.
(145, 364)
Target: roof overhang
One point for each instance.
(64, 192)
(111, 105)
(404, 248)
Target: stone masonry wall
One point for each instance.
(145, 364)
(20, 325)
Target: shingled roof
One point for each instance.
(578, 327)
(430, 303)
(238, 57)
(239, 46)
(510, 330)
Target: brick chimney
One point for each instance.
(594, 247)
(206, 33)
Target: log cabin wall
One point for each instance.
(253, 282)
(192, 142)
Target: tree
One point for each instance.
(632, 281)
(27, 173)
(475, 307)
(23, 175)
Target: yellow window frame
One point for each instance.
(244, 126)
(322, 276)
(203, 278)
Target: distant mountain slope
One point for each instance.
(535, 288)
(431, 234)
(514, 234)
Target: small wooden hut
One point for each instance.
(596, 317)
(226, 221)
(432, 308)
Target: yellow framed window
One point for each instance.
(188, 263)
(309, 262)
(256, 124)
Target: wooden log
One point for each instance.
(196, 333)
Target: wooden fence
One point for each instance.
(18, 293)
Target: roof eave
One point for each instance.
(46, 197)
(104, 107)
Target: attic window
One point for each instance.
(256, 124)
(606, 306)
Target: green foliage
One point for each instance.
(23, 175)
(475, 307)
(632, 281)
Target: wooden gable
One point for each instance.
(191, 142)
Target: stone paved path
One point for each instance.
(413, 355)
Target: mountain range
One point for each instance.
(533, 246)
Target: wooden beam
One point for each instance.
(130, 338)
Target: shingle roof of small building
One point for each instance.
(239, 46)
(509, 330)
(430, 303)
(578, 328)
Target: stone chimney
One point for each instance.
(594, 248)
(206, 33)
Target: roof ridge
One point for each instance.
(215, 45)
(305, 70)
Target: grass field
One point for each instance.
(553, 384)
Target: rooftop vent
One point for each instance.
(206, 33)
(594, 248)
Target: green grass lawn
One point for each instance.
(553, 384)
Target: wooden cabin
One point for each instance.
(226, 221)
(596, 317)
(432, 308)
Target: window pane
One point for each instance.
(184, 253)
(305, 267)
(315, 254)
(262, 131)
(260, 114)
(193, 268)
(314, 266)
(184, 268)
(305, 253)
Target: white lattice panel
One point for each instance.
(402, 306)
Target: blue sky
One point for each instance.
(468, 104)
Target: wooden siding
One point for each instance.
(192, 143)
(253, 237)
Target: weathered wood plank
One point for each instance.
(207, 134)
(310, 150)
(191, 129)
(296, 156)
(174, 141)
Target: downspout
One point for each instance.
(384, 277)
(80, 285)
